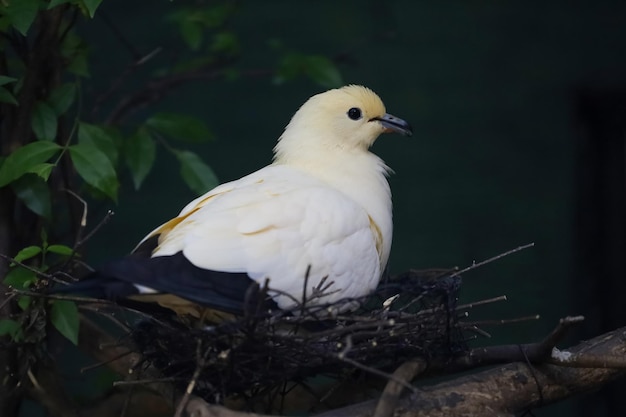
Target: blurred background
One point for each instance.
(519, 117)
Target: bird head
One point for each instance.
(348, 118)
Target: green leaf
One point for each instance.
(55, 3)
(217, 15)
(20, 278)
(140, 153)
(24, 301)
(79, 65)
(288, 68)
(6, 80)
(91, 6)
(323, 71)
(11, 328)
(180, 126)
(98, 137)
(198, 175)
(95, 168)
(319, 68)
(42, 170)
(62, 98)
(7, 97)
(64, 317)
(44, 121)
(191, 31)
(26, 158)
(27, 253)
(22, 13)
(74, 50)
(35, 194)
(60, 250)
(225, 42)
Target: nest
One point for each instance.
(411, 316)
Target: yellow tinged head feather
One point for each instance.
(345, 118)
(372, 104)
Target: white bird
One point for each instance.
(322, 206)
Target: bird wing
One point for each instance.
(275, 224)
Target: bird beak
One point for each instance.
(394, 124)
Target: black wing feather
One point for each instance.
(173, 274)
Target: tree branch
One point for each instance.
(500, 392)
(509, 389)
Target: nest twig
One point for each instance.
(408, 317)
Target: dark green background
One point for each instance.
(491, 89)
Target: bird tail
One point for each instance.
(140, 277)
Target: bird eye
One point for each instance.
(354, 113)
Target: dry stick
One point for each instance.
(137, 57)
(478, 330)
(80, 241)
(81, 225)
(534, 352)
(482, 302)
(83, 218)
(144, 381)
(8, 299)
(558, 333)
(45, 389)
(103, 363)
(127, 400)
(200, 364)
(343, 356)
(500, 322)
(119, 81)
(102, 222)
(96, 309)
(391, 394)
(64, 297)
(30, 268)
(495, 258)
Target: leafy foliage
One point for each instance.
(61, 149)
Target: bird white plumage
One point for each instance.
(323, 203)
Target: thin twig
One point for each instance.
(481, 302)
(101, 364)
(83, 218)
(144, 381)
(501, 322)
(102, 222)
(63, 297)
(200, 364)
(30, 268)
(495, 258)
(7, 300)
(343, 356)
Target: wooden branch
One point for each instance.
(390, 396)
(500, 392)
(46, 388)
(509, 389)
(158, 88)
(542, 376)
(120, 358)
(491, 355)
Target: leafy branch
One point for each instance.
(59, 151)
